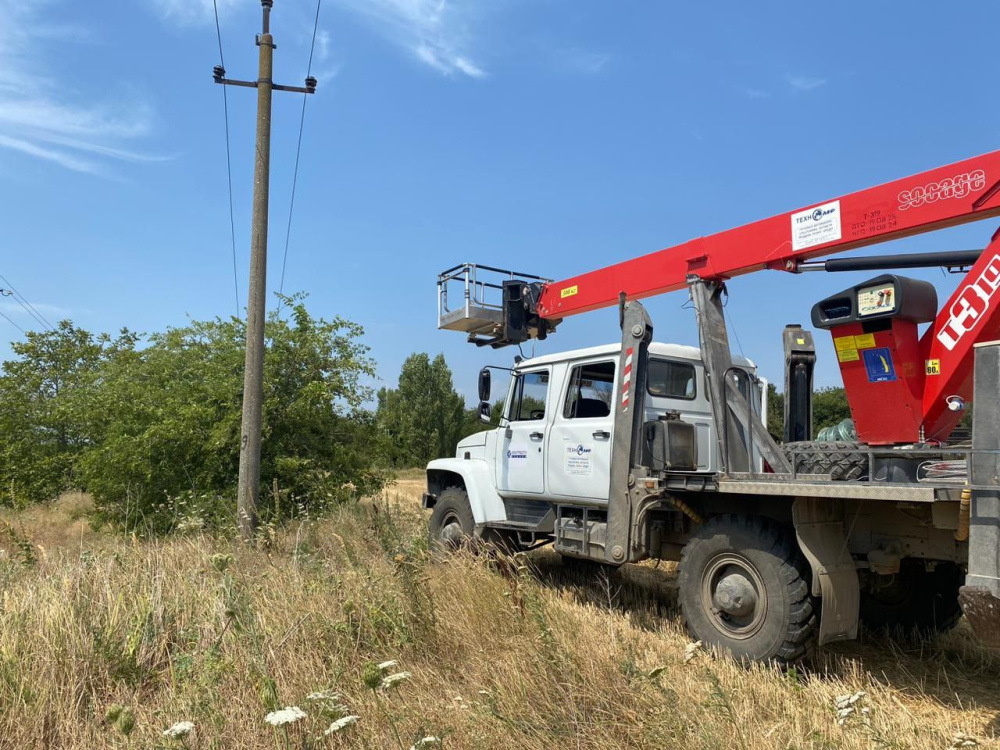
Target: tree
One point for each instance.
(153, 432)
(40, 417)
(424, 417)
(830, 408)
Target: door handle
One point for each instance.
(536, 435)
(602, 434)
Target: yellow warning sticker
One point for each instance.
(844, 343)
(932, 366)
(864, 341)
(848, 355)
(569, 291)
(800, 342)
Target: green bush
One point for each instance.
(153, 432)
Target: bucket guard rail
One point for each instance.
(496, 307)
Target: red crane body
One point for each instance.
(956, 194)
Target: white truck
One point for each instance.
(625, 452)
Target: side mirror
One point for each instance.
(485, 412)
(484, 384)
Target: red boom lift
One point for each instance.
(932, 372)
(907, 392)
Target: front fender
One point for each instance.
(477, 479)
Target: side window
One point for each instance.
(671, 379)
(529, 397)
(591, 388)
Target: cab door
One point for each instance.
(581, 433)
(521, 447)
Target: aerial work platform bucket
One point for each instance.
(485, 302)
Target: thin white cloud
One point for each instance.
(438, 33)
(801, 83)
(61, 158)
(51, 312)
(322, 44)
(192, 12)
(469, 68)
(752, 93)
(584, 61)
(37, 117)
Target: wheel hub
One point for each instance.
(452, 533)
(734, 596)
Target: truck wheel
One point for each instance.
(920, 601)
(743, 588)
(452, 523)
(841, 461)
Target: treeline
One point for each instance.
(423, 417)
(150, 427)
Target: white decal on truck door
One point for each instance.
(578, 460)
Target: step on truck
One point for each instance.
(638, 449)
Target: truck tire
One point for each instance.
(842, 461)
(452, 523)
(919, 601)
(744, 588)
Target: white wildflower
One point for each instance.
(287, 715)
(391, 680)
(340, 724)
(849, 700)
(846, 705)
(691, 651)
(429, 741)
(387, 665)
(179, 730)
(963, 740)
(323, 695)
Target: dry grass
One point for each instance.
(531, 654)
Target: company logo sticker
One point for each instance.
(816, 226)
(958, 186)
(971, 305)
(878, 363)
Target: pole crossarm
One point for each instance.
(309, 88)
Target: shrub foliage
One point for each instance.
(151, 426)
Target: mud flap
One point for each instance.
(819, 527)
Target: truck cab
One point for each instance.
(554, 441)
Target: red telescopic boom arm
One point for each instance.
(947, 196)
(956, 194)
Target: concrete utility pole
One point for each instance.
(253, 377)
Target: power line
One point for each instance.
(27, 306)
(298, 150)
(13, 323)
(229, 160)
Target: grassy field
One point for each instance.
(107, 641)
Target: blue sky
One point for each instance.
(555, 136)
